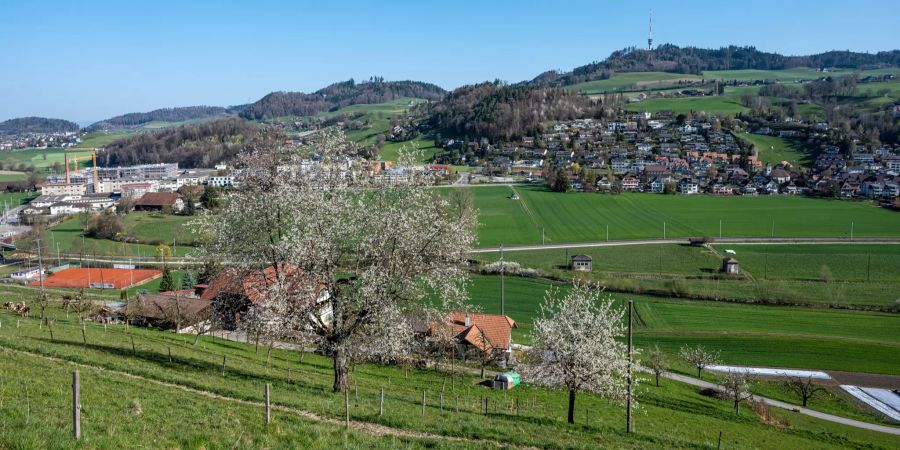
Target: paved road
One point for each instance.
(735, 240)
(788, 406)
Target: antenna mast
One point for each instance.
(650, 35)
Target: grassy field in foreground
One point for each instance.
(672, 416)
(584, 217)
(773, 150)
(117, 411)
(745, 334)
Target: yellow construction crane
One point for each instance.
(75, 159)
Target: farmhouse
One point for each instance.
(159, 201)
(583, 263)
(233, 292)
(486, 333)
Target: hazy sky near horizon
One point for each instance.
(90, 60)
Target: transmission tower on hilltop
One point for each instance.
(650, 35)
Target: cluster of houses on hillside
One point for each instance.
(39, 140)
(662, 153)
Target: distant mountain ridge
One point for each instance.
(694, 60)
(338, 95)
(178, 114)
(22, 125)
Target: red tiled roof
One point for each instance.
(157, 199)
(485, 331)
(251, 285)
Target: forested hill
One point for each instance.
(693, 60)
(338, 95)
(196, 145)
(24, 125)
(501, 112)
(164, 114)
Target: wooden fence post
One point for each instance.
(347, 406)
(423, 402)
(289, 375)
(76, 404)
(83, 337)
(381, 403)
(223, 365)
(170, 354)
(133, 350)
(268, 404)
(442, 402)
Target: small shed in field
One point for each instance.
(584, 263)
(731, 266)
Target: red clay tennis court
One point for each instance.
(99, 278)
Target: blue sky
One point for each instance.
(85, 61)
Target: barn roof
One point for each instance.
(485, 331)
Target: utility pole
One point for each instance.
(40, 267)
(720, 228)
(773, 228)
(502, 299)
(607, 232)
(628, 410)
(543, 241)
(851, 231)
(664, 229)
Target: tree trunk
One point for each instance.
(341, 383)
(196, 339)
(482, 372)
(698, 371)
(657, 379)
(805, 399)
(737, 407)
(571, 405)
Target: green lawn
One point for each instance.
(13, 199)
(672, 416)
(13, 176)
(745, 334)
(584, 217)
(773, 150)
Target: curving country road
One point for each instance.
(779, 404)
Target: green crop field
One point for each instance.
(13, 199)
(99, 139)
(808, 274)
(773, 150)
(626, 81)
(9, 175)
(125, 393)
(745, 334)
(583, 217)
(838, 262)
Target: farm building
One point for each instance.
(485, 333)
(730, 266)
(26, 274)
(233, 292)
(584, 263)
(183, 314)
(159, 201)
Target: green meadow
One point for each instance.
(773, 150)
(744, 334)
(127, 391)
(584, 217)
